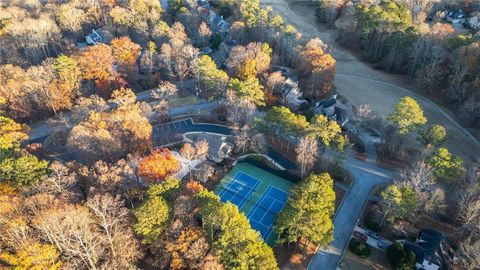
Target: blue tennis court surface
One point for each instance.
(239, 189)
(264, 212)
(260, 195)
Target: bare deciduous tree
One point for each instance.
(204, 33)
(240, 111)
(274, 81)
(469, 209)
(306, 151)
(71, 229)
(201, 148)
(113, 219)
(242, 138)
(470, 253)
(61, 181)
(419, 173)
(188, 152)
(258, 142)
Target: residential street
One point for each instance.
(359, 83)
(366, 176)
(41, 129)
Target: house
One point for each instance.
(425, 249)
(217, 23)
(333, 109)
(93, 38)
(473, 21)
(289, 89)
(98, 36)
(455, 16)
(218, 148)
(293, 93)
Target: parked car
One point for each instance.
(382, 244)
(372, 234)
(205, 50)
(360, 235)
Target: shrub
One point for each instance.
(399, 258)
(360, 248)
(371, 223)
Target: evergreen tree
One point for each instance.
(308, 212)
(153, 214)
(17, 167)
(239, 246)
(407, 115)
(433, 136)
(282, 121)
(397, 202)
(251, 89)
(446, 165)
(212, 79)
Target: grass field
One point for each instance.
(267, 181)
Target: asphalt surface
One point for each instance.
(171, 133)
(42, 129)
(366, 176)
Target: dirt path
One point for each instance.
(362, 84)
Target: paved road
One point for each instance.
(42, 129)
(361, 84)
(366, 176)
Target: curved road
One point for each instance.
(361, 84)
(366, 176)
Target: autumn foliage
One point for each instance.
(194, 187)
(125, 51)
(158, 165)
(96, 64)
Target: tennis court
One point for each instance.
(239, 189)
(259, 194)
(263, 214)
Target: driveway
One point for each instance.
(366, 176)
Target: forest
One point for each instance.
(413, 38)
(82, 186)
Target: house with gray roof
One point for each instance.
(425, 249)
(218, 148)
(217, 23)
(98, 36)
(333, 109)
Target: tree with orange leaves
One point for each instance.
(160, 164)
(125, 52)
(194, 187)
(317, 68)
(96, 63)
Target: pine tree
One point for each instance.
(308, 212)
